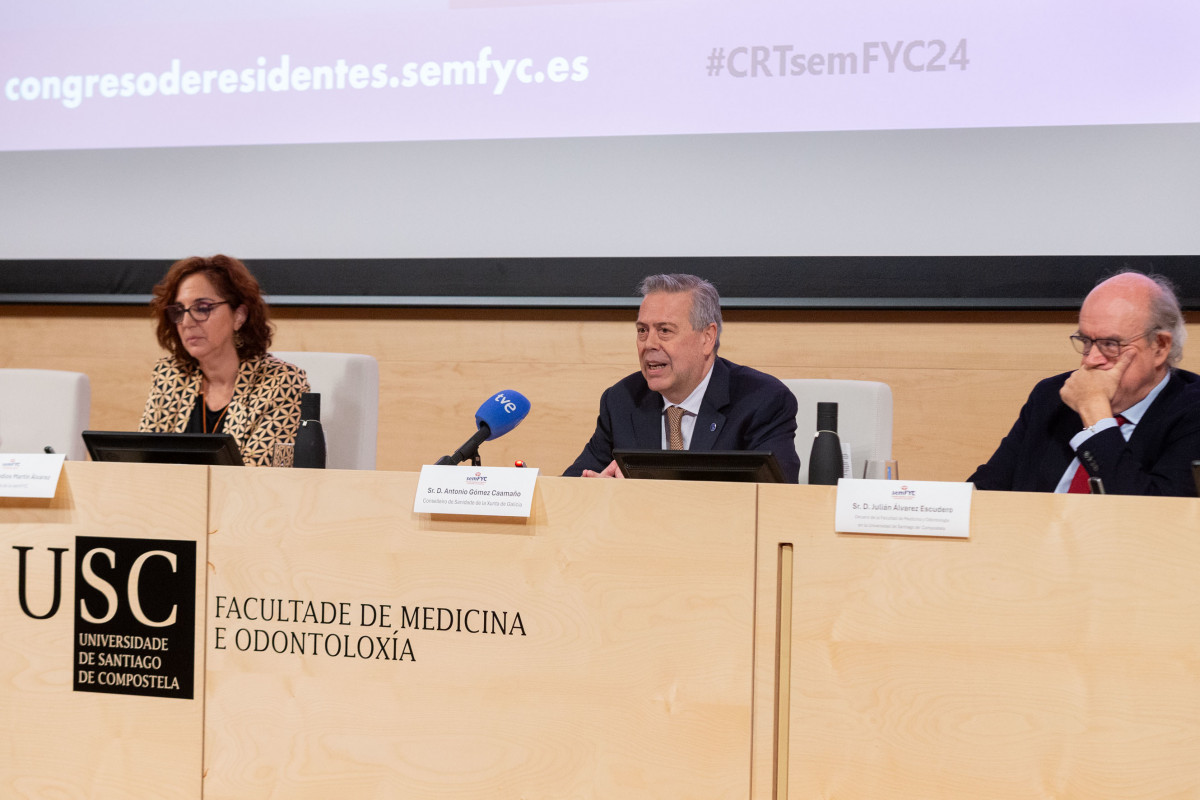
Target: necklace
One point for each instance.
(204, 416)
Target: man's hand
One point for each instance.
(1089, 390)
(610, 471)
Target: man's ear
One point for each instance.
(1162, 347)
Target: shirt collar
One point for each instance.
(692, 402)
(1134, 413)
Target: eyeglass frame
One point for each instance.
(1083, 344)
(175, 311)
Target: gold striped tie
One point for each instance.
(675, 427)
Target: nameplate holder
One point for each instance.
(905, 508)
(476, 491)
(30, 474)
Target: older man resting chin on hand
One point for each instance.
(1127, 417)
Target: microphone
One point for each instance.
(498, 415)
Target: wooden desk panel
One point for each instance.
(63, 743)
(629, 676)
(1054, 654)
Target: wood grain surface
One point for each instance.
(1052, 655)
(61, 743)
(630, 675)
(958, 378)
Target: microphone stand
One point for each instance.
(469, 449)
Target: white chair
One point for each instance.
(42, 408)
(864, 418)
(349, 387)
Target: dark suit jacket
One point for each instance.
(743, 409)
(1155, 461)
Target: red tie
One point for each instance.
(1079, 483)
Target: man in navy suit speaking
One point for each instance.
(685, 396)
(1127, 417)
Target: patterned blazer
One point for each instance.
(265, 407)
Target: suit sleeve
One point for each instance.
(157, 416)
(999, 472)
(597, 453)
(775, 430)
(1118, 464)
(279, 400)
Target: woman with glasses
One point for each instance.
(219, 377)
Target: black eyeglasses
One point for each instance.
(200, 311)
(1109, 348)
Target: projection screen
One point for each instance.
(517, 152)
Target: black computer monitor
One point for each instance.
(163, 448)
(746, 466)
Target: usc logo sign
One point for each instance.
(134, 610)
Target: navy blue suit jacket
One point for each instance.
(1155, 461)
(743, 409)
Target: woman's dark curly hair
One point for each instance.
(236, 285)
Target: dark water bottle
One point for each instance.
(825, 461)
(310, 438)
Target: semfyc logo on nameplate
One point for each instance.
(477, 491)
(30, 474)
(907, 508)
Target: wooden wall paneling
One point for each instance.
(958, 378)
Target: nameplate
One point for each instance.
(907, 508)
(480, 491)
(30, 474)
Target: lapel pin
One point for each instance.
(712, 427)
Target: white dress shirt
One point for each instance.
(691, 407)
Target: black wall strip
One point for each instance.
(943, 282)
